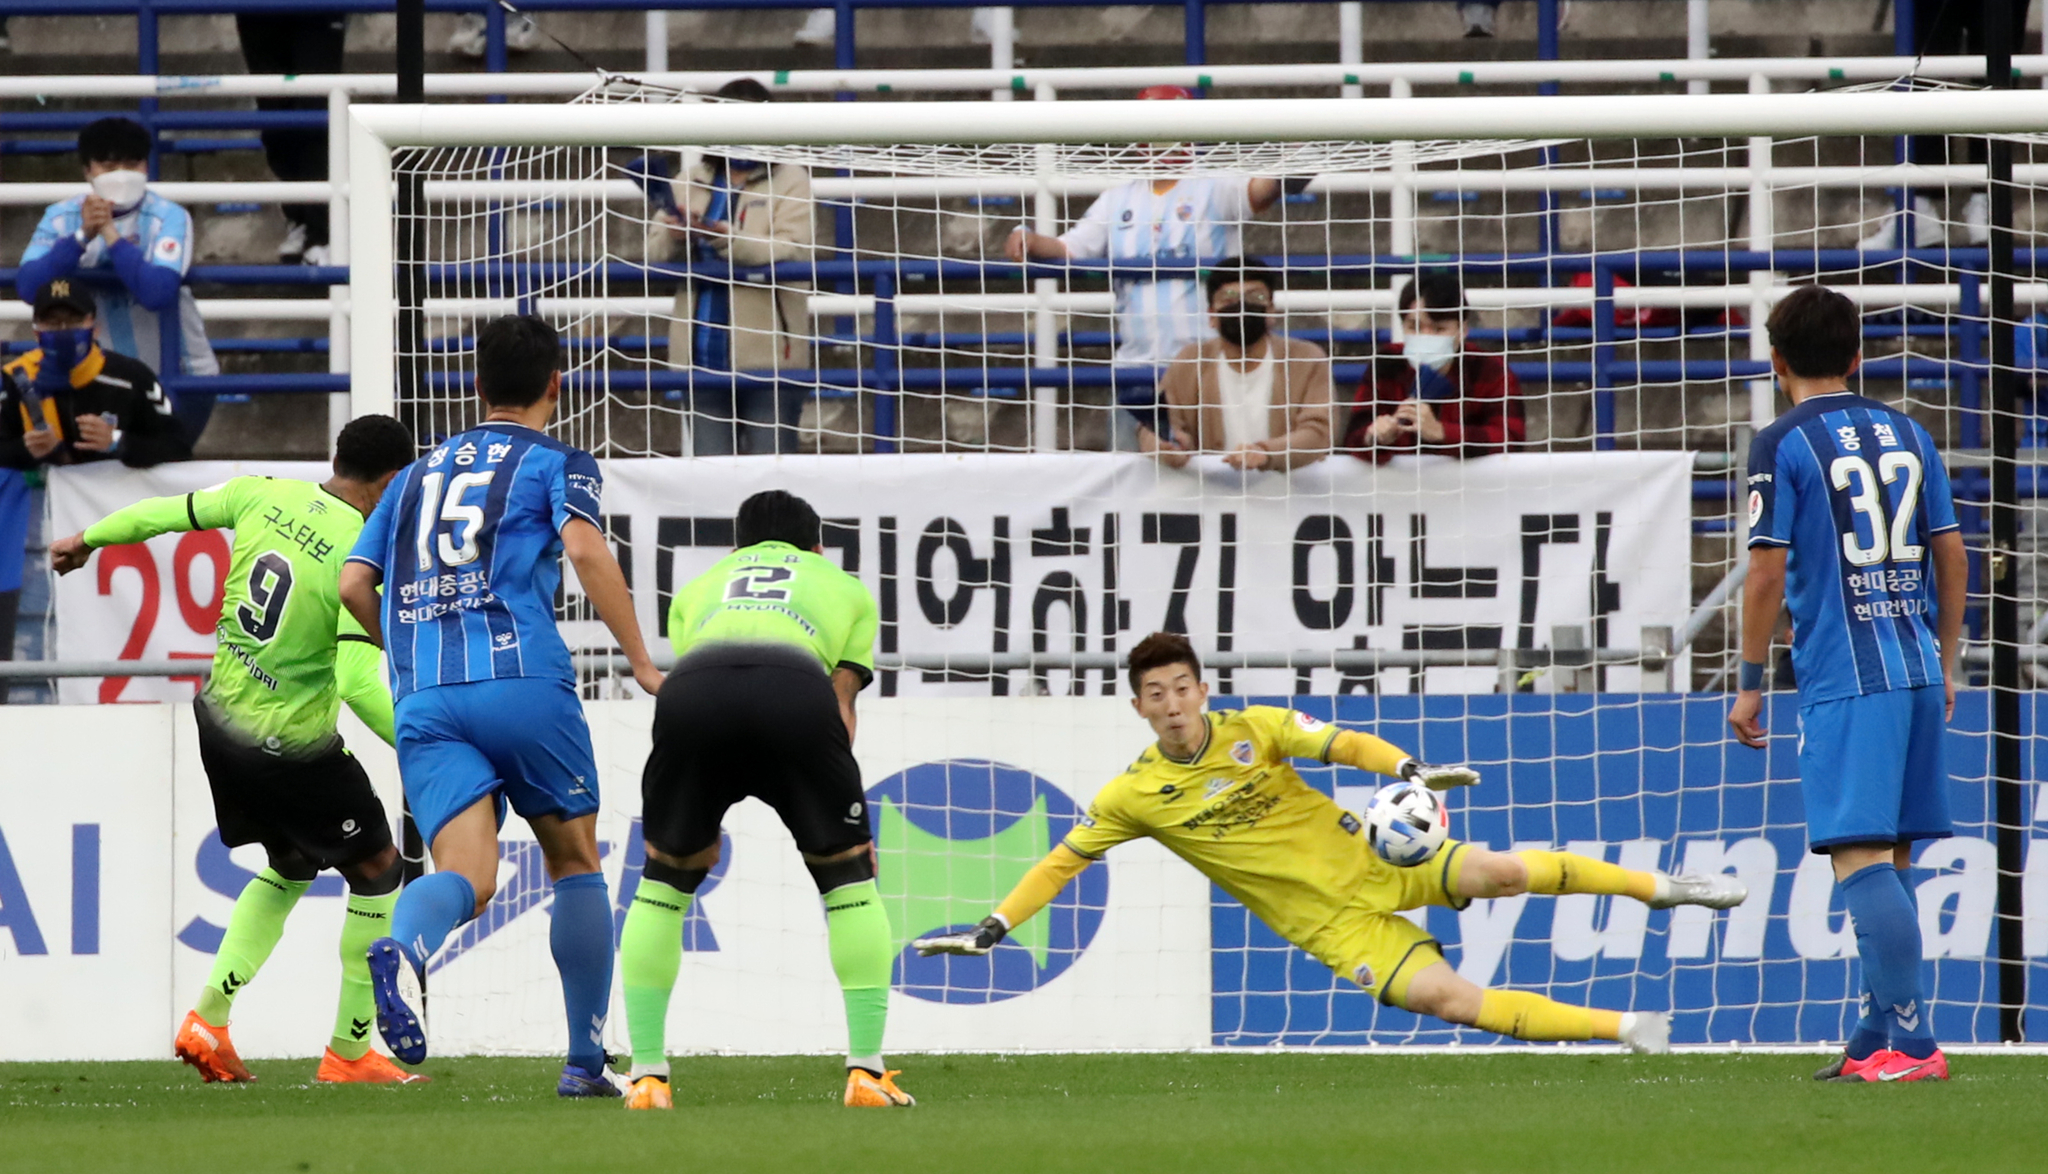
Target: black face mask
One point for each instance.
(1242, 330)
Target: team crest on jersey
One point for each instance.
(1241, 753)
(1756, 507)
(1185, 212)
(1126, 217)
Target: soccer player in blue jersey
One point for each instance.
(1851, 520)
(466, 544)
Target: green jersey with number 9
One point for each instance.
(277, 678)
(774, 593)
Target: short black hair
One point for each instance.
(515, 356)
(1438, 292)
(1818, 330)
(1238, 271)
(745, 89)
(112, 140)
(1159, 650)
(371, 446)
(777, 515)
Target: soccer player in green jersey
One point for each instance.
(772, 645)
(288, 655)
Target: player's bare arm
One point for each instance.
(1952, 585)
(359, 583)
(847, 685)
(1763, 600)
(605, 585)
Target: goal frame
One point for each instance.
(375, 131)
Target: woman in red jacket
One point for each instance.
(1434, 393)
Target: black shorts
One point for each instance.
(760, 721)
(321, 808)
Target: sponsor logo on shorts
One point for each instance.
(348, 828)
(1349, 823)
(853, 813)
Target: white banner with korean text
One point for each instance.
(987, 555)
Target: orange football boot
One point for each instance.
(865, 1090)
(373, 1068)
(208, 1049)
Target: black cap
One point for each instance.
(64, 294)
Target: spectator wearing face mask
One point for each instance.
(1434, 392)
(132, 247)
(1259, 398)
(743, 212)
(71, 401)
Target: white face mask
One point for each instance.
(123, 189)
(1429, 350)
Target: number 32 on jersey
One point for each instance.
(1890, 538)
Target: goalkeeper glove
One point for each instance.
(1437, 778)
(975, 942)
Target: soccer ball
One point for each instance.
(1406, 823)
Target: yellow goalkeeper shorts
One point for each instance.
(1369, 942)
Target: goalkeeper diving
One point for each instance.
(1218, 792)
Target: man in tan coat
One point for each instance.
(1261, 399)
(747, 212)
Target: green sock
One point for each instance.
(862, 954)
(253, 930)
(369, 918)
(650, 955)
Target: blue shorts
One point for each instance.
(522, 739)
(1871, 769)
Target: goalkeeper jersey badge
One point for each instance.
(1241, 753)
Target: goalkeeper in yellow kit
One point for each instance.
(1218, 792)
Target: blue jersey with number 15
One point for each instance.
(1854, 489)
(468, 539)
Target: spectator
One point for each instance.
(1184, 218)
(14, 517)
(70, 401)
(1435, 392)
(1260, 398)
(133, 245)
(746, 212)
(1479, 16)
(1947, 27)
(296, 43)
(472, 35)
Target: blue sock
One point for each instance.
(581, 939)
(1871, 1035)
(429, 910)
(1888, 940)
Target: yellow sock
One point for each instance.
(1562, 872)
(1530, 1016)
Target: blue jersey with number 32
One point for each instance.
(468, 539)
(1854, 489)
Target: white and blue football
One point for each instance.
(1406, 823)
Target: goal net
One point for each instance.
(1477, 485)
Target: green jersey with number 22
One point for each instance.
(277, 679)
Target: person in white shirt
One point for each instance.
(1258, 397)
(1174, 218)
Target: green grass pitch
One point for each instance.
(1401, 1114)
